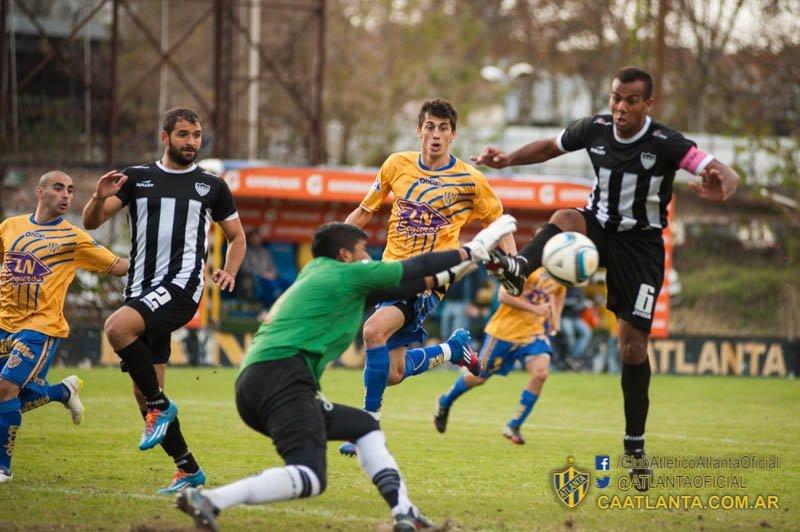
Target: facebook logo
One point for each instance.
(602, 462)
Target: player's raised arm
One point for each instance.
(359, 217)
(237, 243)
(104, 203)
(718, 182)
(537, 151)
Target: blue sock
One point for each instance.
(376, 373)
(10, 420)
(58, 392)
(526, 402)
(457, 390)
(422, 359)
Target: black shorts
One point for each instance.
(634, 262)
(278, 398)
(165, 308)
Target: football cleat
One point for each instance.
(642, 476)
(461, 351)
(197, 506)
(440, 417)
(348, 448)
(183, 480)
(5, 474)
(511, 271)
(513, 434)
(156, 423)
(74, 404)
(411, 521)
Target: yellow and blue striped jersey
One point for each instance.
(39, 263)
(430, 205)
(520, 326)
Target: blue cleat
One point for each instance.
(183, 480)
(348, 448)
(460, 343)
(156, 424)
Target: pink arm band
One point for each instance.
(695, 161)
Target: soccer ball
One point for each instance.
(570, 258)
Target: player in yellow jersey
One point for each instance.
(40, 253)
(435, 195)
(518, 331)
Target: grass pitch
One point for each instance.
(93, 477)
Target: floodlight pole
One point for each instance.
(112, 87)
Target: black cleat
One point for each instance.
(640, 472)
(197, 506)
(511, 271)
(411, 521)
(440, 417)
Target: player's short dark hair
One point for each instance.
(331, 237)
(172, 116)
(440, 108)
(630, 74)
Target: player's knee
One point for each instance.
(310, 480)
(633, 350)
(396, 376)
(115, 331)
(8, 390)
(540, 374)
(473, 381)
(569, 220)
(375, 334)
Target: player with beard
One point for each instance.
(171, 204)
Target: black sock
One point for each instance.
(388, 483)
(139, 363)
(635, 383)
(187, 463)
(533, 249)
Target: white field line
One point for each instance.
(748, 444)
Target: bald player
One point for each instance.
(40, 253)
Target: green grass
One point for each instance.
(93, 477)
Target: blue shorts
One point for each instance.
(498, 356)
(415, 311)
(25, 357)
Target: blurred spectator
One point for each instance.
(458, 306)
(259, 277)
(605, 354)
(577, 333)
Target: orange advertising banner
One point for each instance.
(316, 184)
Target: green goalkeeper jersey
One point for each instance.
(321, 312)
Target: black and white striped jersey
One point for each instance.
(170, 215)
(633, 177)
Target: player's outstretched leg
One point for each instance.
(460, 343)
(462, 385)
(537, 367)
(635, 385)
(65, 392)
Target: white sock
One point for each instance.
(446, 351)
(271, 485)
(373, 457)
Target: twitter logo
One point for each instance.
(602, 482)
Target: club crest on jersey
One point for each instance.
(419, 218)
(23, 267)
(202, 188)
(52, 247)
(13, 361)
(571, 484)
(648, 160)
